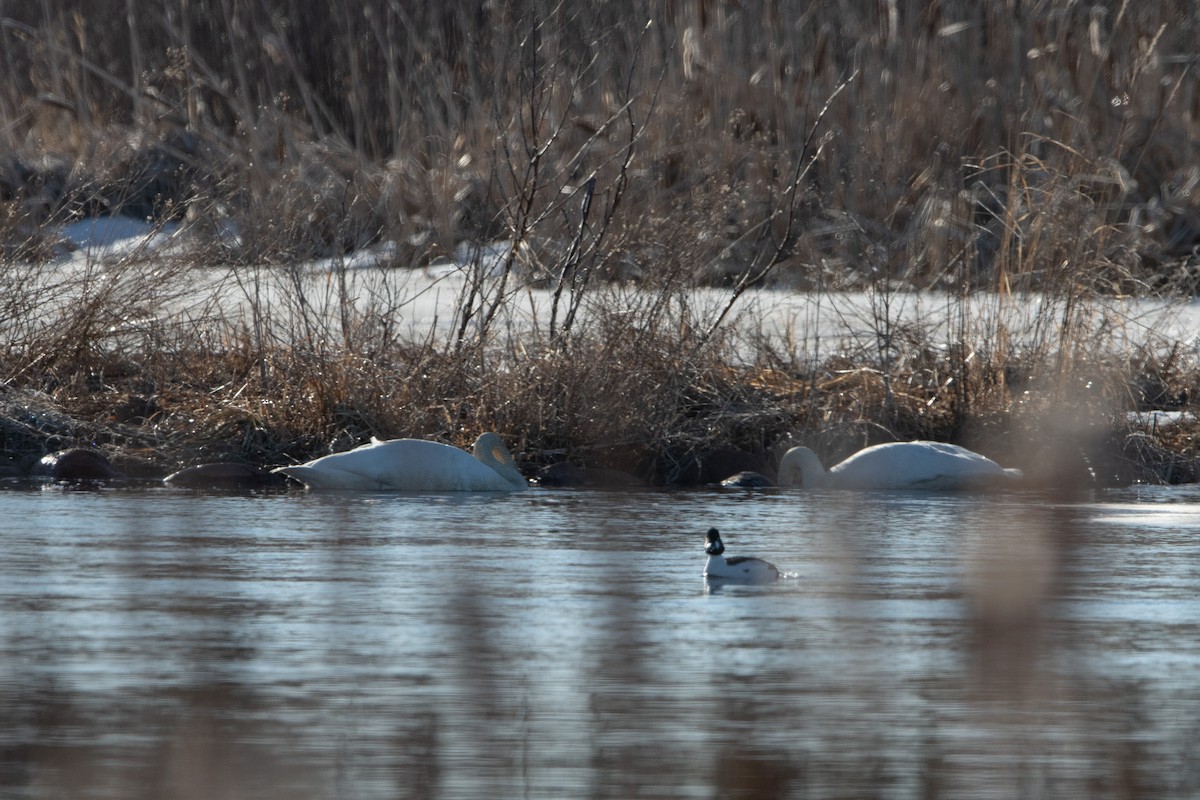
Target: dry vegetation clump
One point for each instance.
(964, 144)
(638, 398)
(962, 147)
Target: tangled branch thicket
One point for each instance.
(960, 147)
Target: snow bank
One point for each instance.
(427, 302)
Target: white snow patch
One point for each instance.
(428, 302)
(106, 238)
(1159, 419)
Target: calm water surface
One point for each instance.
(562, 644)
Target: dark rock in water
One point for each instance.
(708, 467)
(748, 480)
(77, 464)
(226, 475)
(567, 475)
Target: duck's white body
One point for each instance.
(896, 465)
(414, 465)
(742, 568)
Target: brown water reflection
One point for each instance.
(165, 645)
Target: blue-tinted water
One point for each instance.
(551, 644)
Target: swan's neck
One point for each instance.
(490, 450)
(800, 467)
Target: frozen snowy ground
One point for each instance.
(425, 303)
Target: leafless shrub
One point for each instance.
(732, 146)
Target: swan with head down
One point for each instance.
(896, 465)
(414, 465)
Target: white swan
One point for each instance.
(896, 465)
(414, 465)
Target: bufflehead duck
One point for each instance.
(744, 568)
(414, 465)
(896, 465)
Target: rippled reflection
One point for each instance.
(564, 644)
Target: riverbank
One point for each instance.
(135, 351)
(971, 224)
(145, 438)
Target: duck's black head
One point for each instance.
(712, 543)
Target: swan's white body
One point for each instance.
(414, 465)
(896, 465)
(741, 568)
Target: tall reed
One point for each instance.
(970, 149)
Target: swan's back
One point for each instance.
(413, 465)
(918, 465)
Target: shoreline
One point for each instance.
(873, 377)
(270, 365)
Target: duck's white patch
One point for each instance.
(744, 568)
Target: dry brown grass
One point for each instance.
(963, 147)
(975, 144)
